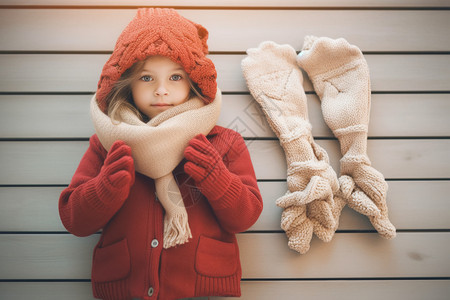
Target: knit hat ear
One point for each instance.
(160, 31)
(203, 34)
(204, 75)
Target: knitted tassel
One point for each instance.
(176, 226)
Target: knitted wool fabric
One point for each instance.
(161, 31)
(275, 81)
(156, 155)
(340, 76)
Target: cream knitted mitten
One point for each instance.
(340, 76)
(275, 81)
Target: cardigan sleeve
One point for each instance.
(90, 201)
(235, 198)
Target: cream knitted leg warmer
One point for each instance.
(275, 81)
(340, 76)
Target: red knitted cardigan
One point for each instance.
(129, 260)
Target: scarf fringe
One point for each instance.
(176, 229)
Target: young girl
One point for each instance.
(167, 187)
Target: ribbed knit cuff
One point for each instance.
(111, 290)
(218, 286)
(223, 187)
(101, 195)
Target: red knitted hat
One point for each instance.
(161, 31)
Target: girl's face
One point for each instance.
(162, 84)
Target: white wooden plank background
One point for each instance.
(45, 162)
(84, 30)
(80, 73)
(27, 256)
(71, 113)
(264, 290)
(51, 56)
(235, 3)
(35, 209)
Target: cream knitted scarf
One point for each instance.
(157, 148)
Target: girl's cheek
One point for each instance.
(140, 90)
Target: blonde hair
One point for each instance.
(121, 98)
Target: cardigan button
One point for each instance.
(150, 291)
(155, 243)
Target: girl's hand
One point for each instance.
(118, 168)
(204, 162)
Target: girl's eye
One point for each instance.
(146, 78)
(176, 77)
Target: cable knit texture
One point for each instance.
(161, 31)
(156, 156)
(275, 81)
(340, 76)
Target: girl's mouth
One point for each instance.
(161, 104)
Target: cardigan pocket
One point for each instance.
(215, 258)
(112, 262)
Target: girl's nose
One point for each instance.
(161, 91)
